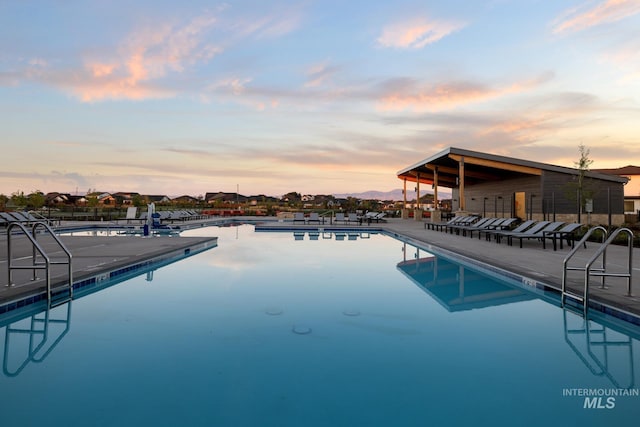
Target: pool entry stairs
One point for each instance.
(591, 270)
(39, 259)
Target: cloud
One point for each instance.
(409, 95)
(319, 74)
(606, 12)
(416, 34)
(626, 58)
(146, 56)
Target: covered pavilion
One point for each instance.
(492, 185)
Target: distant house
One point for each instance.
(104, 199)
(57, 199)
(186, 200)
(631, 189)
(123, 198)
(152, 198)
(211, 198)
(77, 200)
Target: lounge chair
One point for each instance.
(352, 217)
(566, 232)
(314, 217)
(503, 225)
(3, 220)
(479, 226)
(340, 217)
(298, 217)
(550, 226)
(7, 218)
(464, 221)
(481, 223)
(374, 216)
(522, 228)
(443, 224)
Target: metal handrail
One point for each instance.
(63, 247)
(34, 266)
(602, 251)
(37, 250)
(573, 251)
(324, 214)
(589, 270)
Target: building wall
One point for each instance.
(499, 196)
(632, 189)
(561, 194)
(546, 197)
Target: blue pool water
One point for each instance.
(270, 329)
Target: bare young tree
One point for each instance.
(583, 166)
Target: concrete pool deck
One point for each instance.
(93, 256)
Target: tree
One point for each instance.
(36, 199)
(19, 199)
(137, 201)
(92, 201)
(583, 167)
(580, 189)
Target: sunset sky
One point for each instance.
(314, 96)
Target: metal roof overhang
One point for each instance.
(478, 167)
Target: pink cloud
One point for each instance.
(147, 55)
(403, 96)
(604, 13)
(416, 34)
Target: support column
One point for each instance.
(417, 212)
(436, 214)
(461, 184)
(404, 214)
(435, 187)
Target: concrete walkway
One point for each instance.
(93, 257)
(96, 255)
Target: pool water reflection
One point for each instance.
(267, 329)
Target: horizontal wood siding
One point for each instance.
(560, 190)
(495, 190)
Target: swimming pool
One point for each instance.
(277, 329)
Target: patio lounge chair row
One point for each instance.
(22, 217)
(501, 228)
(313, 217)
(540, 230)
(340, 217)
(455, 221)
(484, 225)
(179, 215)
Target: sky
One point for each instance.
(312, 96)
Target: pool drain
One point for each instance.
(351, 312)
(301, 330)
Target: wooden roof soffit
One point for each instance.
(497, 165)
(454, 171)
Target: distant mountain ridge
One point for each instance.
(390, 195)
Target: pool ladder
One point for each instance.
(601, 271)
(43, 263)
